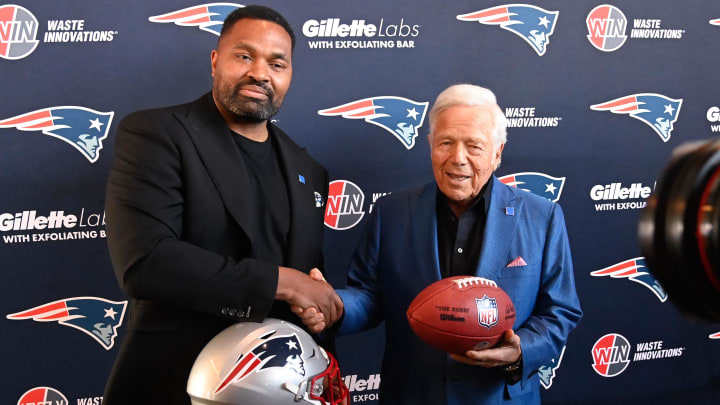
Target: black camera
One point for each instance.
(679, 230)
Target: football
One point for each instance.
(461, 313)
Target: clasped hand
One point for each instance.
(310, 297)
(314, 317)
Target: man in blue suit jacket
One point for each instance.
(417, 237)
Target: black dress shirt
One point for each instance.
(460, 239)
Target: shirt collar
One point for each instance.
(483, 195)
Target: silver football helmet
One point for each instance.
(273, 362)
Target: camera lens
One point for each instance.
(678, 230)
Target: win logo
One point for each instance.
(18, 32)
(606, 26)
(344, 205)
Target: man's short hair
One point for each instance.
(471, 95)
(257, 13)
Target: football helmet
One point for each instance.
(273, 362)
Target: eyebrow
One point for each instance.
(274, 55)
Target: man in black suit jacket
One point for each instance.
(198, 233)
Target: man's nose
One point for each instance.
(259, 71)
(458, 154)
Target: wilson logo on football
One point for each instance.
(611, 355)
(344, 205)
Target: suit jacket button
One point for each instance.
(224, 311)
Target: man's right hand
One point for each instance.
(322, 306)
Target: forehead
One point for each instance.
(250, 31)
(460, 120)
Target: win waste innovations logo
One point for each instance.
(344, 206)
(19, 30)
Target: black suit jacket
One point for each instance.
(181, 243)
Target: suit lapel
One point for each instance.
(218, 151)
(500, 229)
(424, 224)
(300, 194)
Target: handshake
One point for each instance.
(310, 297)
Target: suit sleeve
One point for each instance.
(144, 213)
(557, 309)
(361, 297)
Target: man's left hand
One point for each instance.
(507, 351)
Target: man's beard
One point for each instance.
(246, 108)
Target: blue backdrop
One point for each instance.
(597, 94)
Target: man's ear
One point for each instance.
(498, 156)
(213, 61)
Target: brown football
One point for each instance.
(461, 313)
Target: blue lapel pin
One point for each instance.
(301, 178)
(510, 211)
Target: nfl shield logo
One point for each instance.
(487, 311)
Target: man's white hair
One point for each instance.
(471, 95)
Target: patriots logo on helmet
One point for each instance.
(96, 317)
(399, 116)
(715, 21)
(633, 269)
(537, 183)
(207, 17)
(656, 110)
(81, 127)
(546, 372)
(533, 24)
(270, 351)
(715, 335)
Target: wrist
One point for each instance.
(512, 367)
(284, 291)
(513, 371)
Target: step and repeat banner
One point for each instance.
(597, 96)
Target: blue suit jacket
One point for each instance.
(397, 258)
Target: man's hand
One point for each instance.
(311, 317)
(507, 351)
(322, 306)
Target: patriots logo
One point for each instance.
(399, 116)
(715, 21)
(82, 128)
(546, 372)
(633, 269)
(270, 351)
(656, 110)
(207, 17)
(96, 317)
(715, 335)
(531, 23)
(537, 183)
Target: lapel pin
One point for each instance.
(301, 178)
(510, 211)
